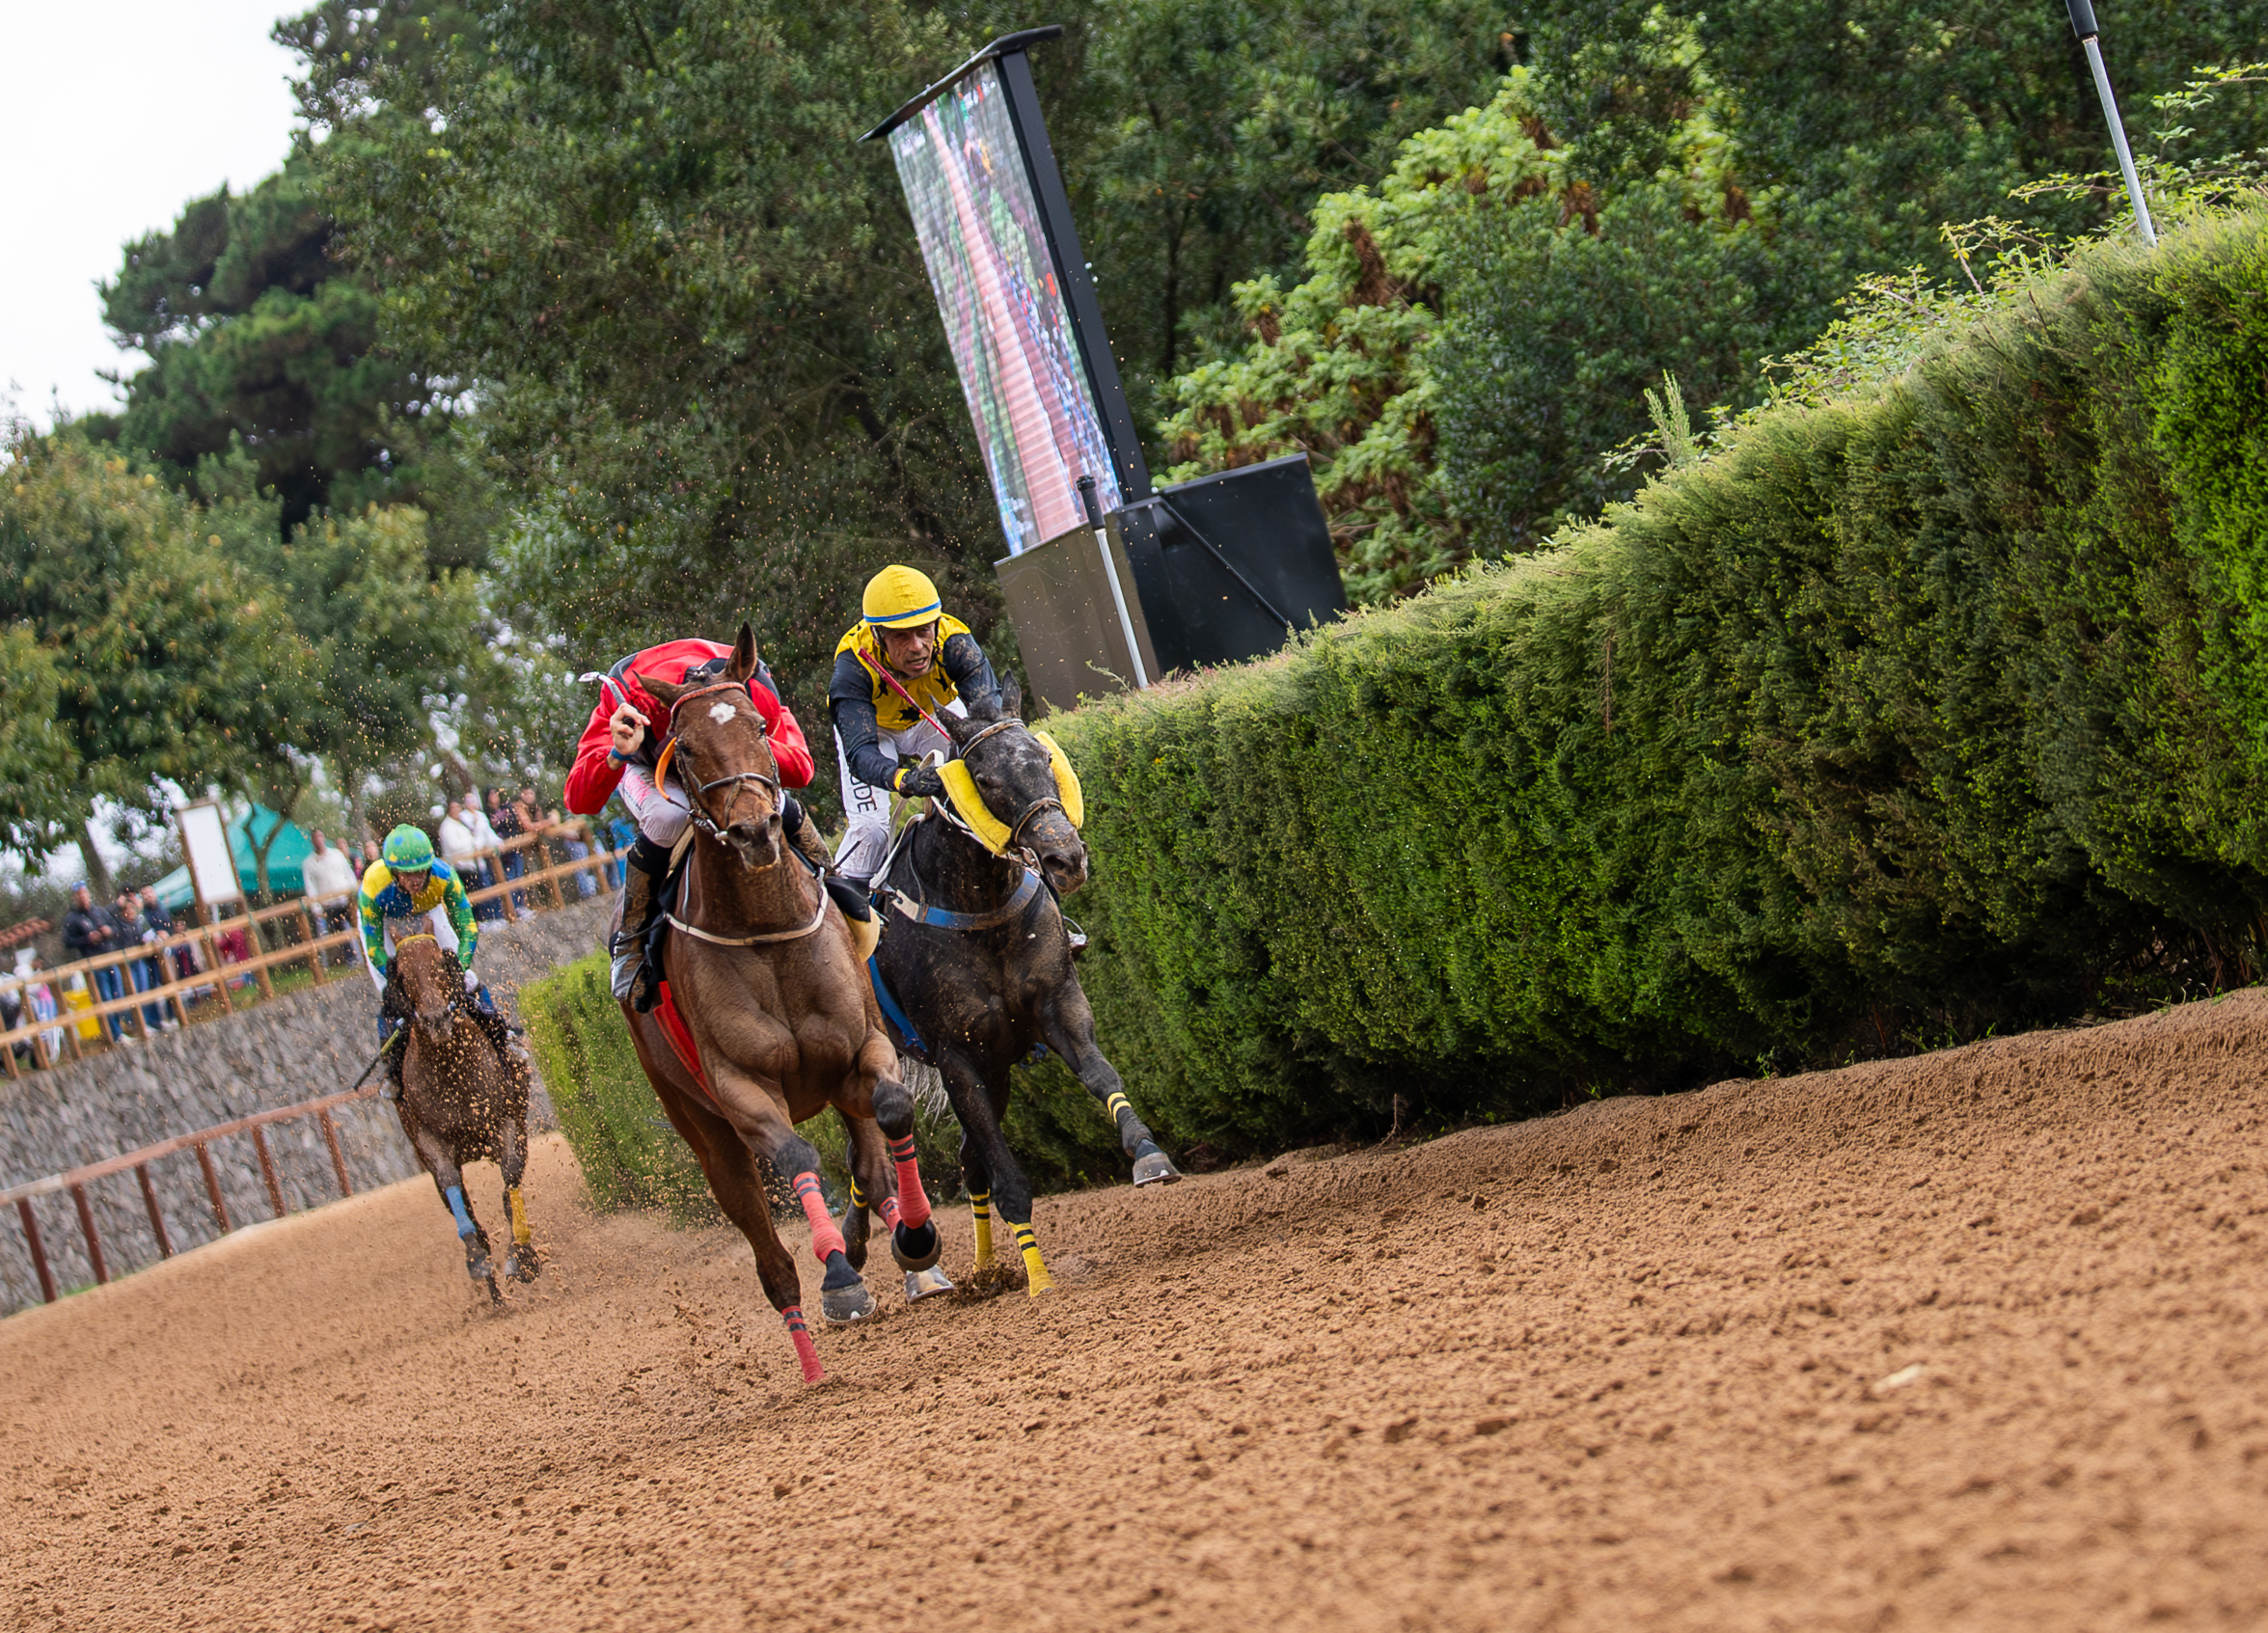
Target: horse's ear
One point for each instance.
(744, 654)
(661, 690)
(1012, 698)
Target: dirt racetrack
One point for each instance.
(1970, 1341)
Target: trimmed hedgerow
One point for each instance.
(1892, 720)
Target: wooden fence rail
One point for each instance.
(76, 1180)
(209, 988)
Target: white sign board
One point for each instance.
(204, 842)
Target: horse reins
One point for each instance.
(697, 809)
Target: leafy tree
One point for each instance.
(37, 765)
(170, 659)
(256, 338)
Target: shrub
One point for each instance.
(1939, 707)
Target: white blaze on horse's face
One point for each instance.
(721, 712)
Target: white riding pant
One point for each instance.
(433, 921)
(865, 841)
(662, 813)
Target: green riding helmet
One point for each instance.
(407, 850)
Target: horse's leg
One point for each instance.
(1068, 1022)
(448, 1179)
(522, 1263)
(905, 1208)
(980, 1107)
(866, 1157)
(758, 1114)
(977, 1179)
(730, 1168)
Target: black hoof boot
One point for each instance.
(843, 1294)
(916, 1249)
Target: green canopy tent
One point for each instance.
(290, 849)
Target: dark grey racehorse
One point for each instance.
(975, 950)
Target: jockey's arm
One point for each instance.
(969, 669)
(850, 700)
(372, 917)
(459, 908)
(592, 780)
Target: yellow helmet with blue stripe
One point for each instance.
(900, 598)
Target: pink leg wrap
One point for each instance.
(805, 1350)
(826, 1238)
(890, 1212)
(912, 1198)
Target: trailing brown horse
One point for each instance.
(977, 962)
(461, 1102)
(761, 967)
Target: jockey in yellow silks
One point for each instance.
(907, 637)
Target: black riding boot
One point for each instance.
(642, 868)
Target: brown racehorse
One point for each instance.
(759, 963)
(461, 1102)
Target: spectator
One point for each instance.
(503, 821)
(133, 932)
(170, 965)
(330, 878)
(458, 845)
(370, 856)
(43, 1005)
(89, 931)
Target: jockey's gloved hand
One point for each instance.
(920, 782)
(471, 982)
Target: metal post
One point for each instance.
(165, 1242)
(267, 1169)
(2083, 24)
(31, 1236)
(78, 1197)
(1094, 513)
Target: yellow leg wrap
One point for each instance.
(980, 1206)
(858, 1197)
(1117, 1103)
(521, 1234)
(1036, 1279)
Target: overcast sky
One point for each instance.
(113, 114)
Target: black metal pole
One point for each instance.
(2083, 25)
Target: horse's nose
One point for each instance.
(1066, 869)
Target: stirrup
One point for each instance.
(1071, 933)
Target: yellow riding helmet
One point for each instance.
(900, 598)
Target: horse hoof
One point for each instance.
(921, 1284)
(846, 1305)
(522, 1264)
(1155, 1169)
(916, 1249)
(495, 1293)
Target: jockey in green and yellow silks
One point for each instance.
(906, 642)
(410, 891)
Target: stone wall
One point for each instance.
(286, 1049)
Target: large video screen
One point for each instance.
(1011, 332)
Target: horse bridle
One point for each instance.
(1045, 802)
(694, 794)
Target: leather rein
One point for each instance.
(945, 919)
(696, 805)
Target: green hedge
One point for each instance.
(632, 1158)
(1892, 721)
